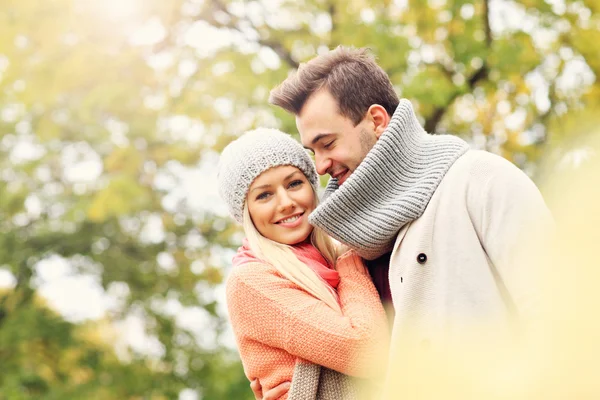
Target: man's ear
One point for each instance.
(379, 117)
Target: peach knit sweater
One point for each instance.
(277, 323)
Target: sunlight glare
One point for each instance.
(119, 10)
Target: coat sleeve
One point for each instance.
(514, 226)
(268, 308)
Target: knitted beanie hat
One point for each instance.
(256, 151)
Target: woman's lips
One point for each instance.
(291, 224)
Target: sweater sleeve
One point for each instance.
(514, 226)
(268, 308)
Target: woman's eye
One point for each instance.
(328, 145)
(262, 196)
(296, 183)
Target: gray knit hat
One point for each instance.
(244, 159)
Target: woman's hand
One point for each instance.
(272, 394)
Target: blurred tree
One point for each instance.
(90, 165)
(45, 357)
(496, 73)
(111, 113)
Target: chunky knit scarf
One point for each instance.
(309, 255)
(313, 382)
(391, 186)
(305, 252)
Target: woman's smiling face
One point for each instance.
(279, 202)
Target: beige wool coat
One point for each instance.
(463, 261)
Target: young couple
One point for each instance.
(424, 223)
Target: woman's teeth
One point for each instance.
(291, 219)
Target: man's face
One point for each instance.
(339, 146)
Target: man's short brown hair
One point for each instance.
(351, 76)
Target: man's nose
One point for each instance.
(322, 163)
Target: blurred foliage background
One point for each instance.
(113, 243)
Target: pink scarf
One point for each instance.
(306, 252)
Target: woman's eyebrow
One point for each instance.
(260, 187)
(290, 175)
(269, 185)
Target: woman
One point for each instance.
(290, 299)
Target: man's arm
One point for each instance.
(513, 224)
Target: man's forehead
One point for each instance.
(319, 105)
(304, 129)
(306, 138)
(315, 124)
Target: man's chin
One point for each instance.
(343, 178)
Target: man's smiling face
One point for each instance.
(339, 146)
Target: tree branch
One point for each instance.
(274, 45)
(332, 14)
(281, 51)
(3, 311)
(431, 123)
(486, 23)
(22, 293)
(208, 15)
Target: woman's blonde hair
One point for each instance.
(285, 261)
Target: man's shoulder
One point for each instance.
(479, 157)
(480, 163)
(474, 171)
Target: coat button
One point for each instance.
(422, 258)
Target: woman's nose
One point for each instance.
(286, 201)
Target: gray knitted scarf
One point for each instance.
(391, 186)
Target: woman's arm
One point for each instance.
(268, 308)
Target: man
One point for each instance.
(450, 219)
